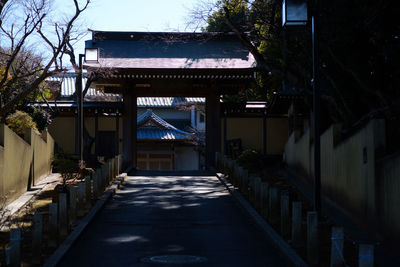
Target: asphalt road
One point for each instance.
(172, 215)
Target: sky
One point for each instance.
(105, 15)
(132, 15)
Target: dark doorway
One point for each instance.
(106, 144)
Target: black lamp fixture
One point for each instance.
(294, 12)
(91, 55)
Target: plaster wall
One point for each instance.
(186, 158)
(347, 168)
(277, 135)
(107, 124)
(43, 152)
(389, 197)
(250, 131)
(23, 162)
(63, 131)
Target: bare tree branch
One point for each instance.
(36, 12)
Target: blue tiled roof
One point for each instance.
(67, 81)
(152, 127)
(159, 134)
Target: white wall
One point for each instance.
(201, 126)
(185, 158)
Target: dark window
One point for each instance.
(202, 117)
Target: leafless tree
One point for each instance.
(24, 24)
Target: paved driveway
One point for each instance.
(172, 215)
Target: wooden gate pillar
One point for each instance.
(213, 127)
(129, 144)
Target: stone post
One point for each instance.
(15, 247)
(285, 217)
(312, 237)
(81, 199)
(88, 191)
(72, 204)
(53, 225)
(63, 215)
(337, 247)
(366, 255)
(297, 236)
(264, 199)
(37, 237)
(257, 193)
(273, 204)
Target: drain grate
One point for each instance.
(174, 259)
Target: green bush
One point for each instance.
(251, 160)
(19, 121)
(68, 168)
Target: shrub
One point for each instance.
(68, 168)
(19, 121)
(251, 160)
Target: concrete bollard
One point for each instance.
(240, 177)
(337, 247)
(63, 215)
(227, 167)
(107, 178)
(81, 199)
(285, 215)
(102, 177)
(96, 185)
(366, 255)
(273, 204)
(113, 168)
(37, 237)
(112, 164)
(223, 164)
(234, 175)
(114, 160)
(15, 247)
(116, 165)
(107, 174)
(53, 225)
(264, 199)
(297, 237)
(257, 193)
(230, 168)
(252, 181)
(73, 192)
(88, 191)
(110, 176)
(312, 237)
(245, 179)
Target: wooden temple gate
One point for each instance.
(169, 65)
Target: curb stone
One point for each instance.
(291, 255)
(63, 248)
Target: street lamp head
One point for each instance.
(294, 12)
(91, 55)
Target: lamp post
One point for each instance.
(91, 54)
(294, 13)
(79, 107)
